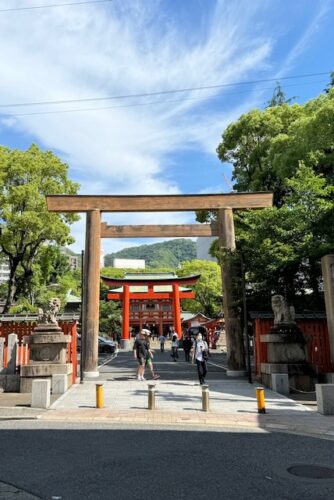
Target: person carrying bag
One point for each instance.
(201, 355)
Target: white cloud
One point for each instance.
(128, 47)
(122, 48)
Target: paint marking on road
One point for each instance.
(113, 356)
(218, 366)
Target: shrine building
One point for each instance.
(150, 300)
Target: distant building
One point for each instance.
(129, 263)
(102, 258)
(4, 272)
(73, 262)
(203, 248)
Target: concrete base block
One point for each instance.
(59, 384)
(325, 398)
(10, 383)
(329, 378)
(236, 373)
(270, 368)
(126, 344)
(45, 369)
(40, 397)
(280, 383)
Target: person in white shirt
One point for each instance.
(162, 340)
(175, 346)
(200, 354)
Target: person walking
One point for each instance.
(140, 354)
(175, 346)
(187, 345)
(200, 354)
(149, 354)
(162, 340)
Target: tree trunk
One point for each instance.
(11, 288)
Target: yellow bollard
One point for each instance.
(261, 404)
(99, 396)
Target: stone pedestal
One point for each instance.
(325, 398)
(287, 354)
(48, 356)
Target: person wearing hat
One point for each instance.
(149, 354)
(140, 354)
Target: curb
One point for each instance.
(20, 413)
(204, 420)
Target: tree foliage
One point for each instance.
(208, 288)
(26, 177)
(287, 149)
(167, 254)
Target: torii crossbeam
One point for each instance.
(224, 204)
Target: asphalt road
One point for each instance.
(123, 367)
(80, 462)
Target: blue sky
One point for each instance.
(159, 144)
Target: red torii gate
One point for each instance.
(126, 295)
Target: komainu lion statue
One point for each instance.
(282, 312)
(50, 316)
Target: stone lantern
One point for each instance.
(48, 350)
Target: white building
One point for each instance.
(73, 261)
(102, 258)
(129, 263)
(203, 248)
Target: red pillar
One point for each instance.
(126, 313)
(177, 310)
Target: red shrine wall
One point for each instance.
(151, 312)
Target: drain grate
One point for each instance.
(311, 471)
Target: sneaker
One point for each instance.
(143, 378)
(156, 377)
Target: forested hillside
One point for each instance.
(165, 254)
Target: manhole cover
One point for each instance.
(311, 471)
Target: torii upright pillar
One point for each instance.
(91, 295)
(234, 338)
(177, 310)
(126, 317)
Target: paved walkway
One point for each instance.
(226, 397)
(178, 400)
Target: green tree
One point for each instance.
(278, 98)
(26, 177)
(289, 150)
(247, 146)
(110, 316)
(265, 147)
(208, 288)
(157, 255)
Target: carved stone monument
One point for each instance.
(48, 349)
(286, 350)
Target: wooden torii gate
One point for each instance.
(224, 204)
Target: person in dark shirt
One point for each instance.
(140, 353)
(187, 345)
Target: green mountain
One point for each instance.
(158, 255)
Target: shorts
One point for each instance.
(148, 361)
(141, 361)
